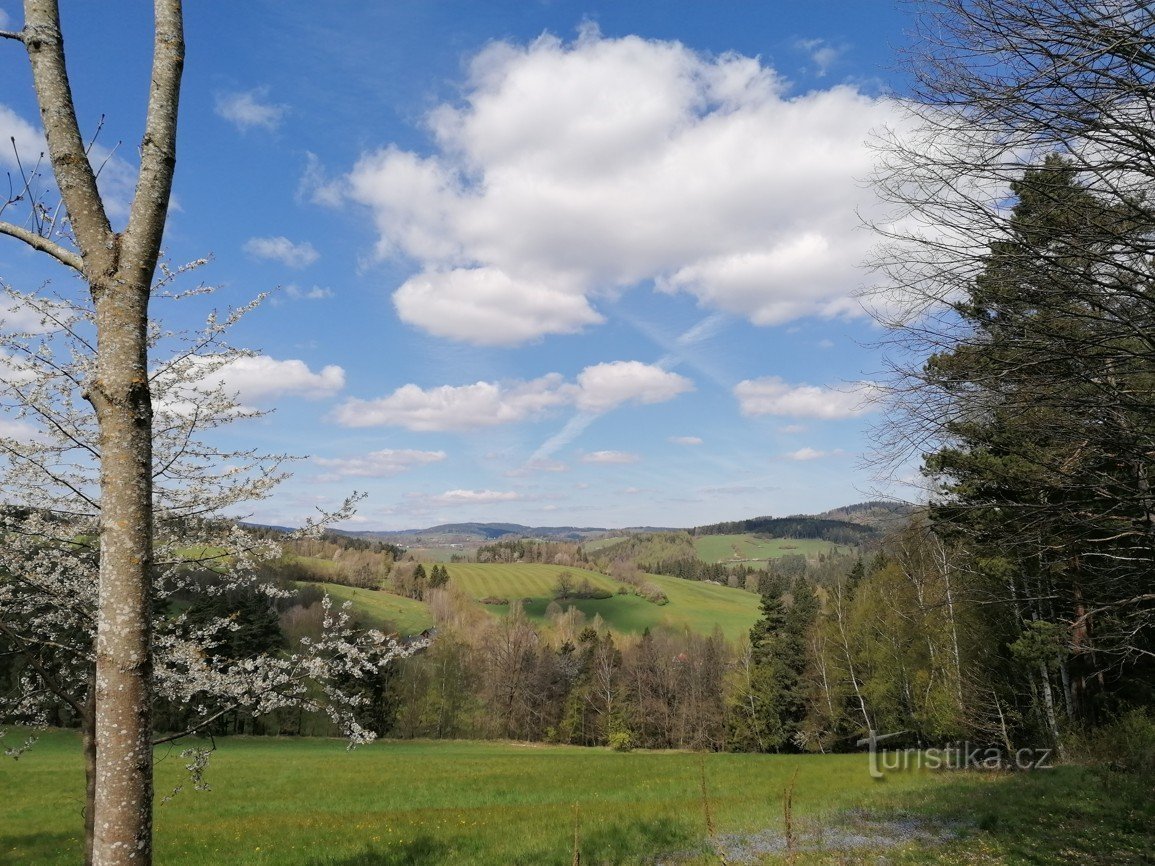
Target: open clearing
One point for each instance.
(305, 801)
(741, 548)
(694, 605)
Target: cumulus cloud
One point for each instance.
(475, 497)
(686, 440)
(605, 386)
(256, 380)
(281, 249)
(597, 389)
(28, 139)
(576, 169)
(488, 307)
(116, 178)
(773, 396)
(377, 464)
(250, 109)
(610, 457)
(450, 407)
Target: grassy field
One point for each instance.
(381, 609)
(698, 606)
(312, 803)
(440, 554)
(734, 548)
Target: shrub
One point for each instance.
(621, 741)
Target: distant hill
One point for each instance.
(850, 524)
(877, 513)
(467, 534)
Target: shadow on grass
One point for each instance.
(41, 848)
(625, 842)
(629, 842)
(1066, 814)
(424, 850)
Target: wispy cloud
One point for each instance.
(377, 464)
(281, 249)
(614, 457)
(250, 109)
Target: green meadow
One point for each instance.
(734, 548)
(697, 606)
(380, 609)
(700, 607)
(310, 802)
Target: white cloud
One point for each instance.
(577, 169)
(316, 186)
(598, 389)
(254, 380)
(685, 440)
(537, 466)
(616, 457)
(3, 18)
(451, 407)
(488, 307)
(317, 293)
(377, 464)
(283, 250)
(475, 497)
(773, 396)
(19, 431)
(822, 54)
(605, 386)
(250, 109)
(15, 370)
(28, 139)
(812, 454)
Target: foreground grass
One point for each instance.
(310, 802)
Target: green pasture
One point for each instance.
(380, 609)
(735, 548)
(518, 580)
(697, 606)
(310, 802)
(439, 554)
(599, 543)
(302, 801)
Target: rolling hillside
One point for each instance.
(697, 606)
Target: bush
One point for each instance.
(493, 599)
(1127, 744)
(621, 741)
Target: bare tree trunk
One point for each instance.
(87, 724)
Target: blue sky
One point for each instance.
(545, 262)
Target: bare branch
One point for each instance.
(44, 245)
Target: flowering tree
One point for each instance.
(110, 484)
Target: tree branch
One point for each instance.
(74, 176)
(150, 202)
(9, 34)
(44, 245)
